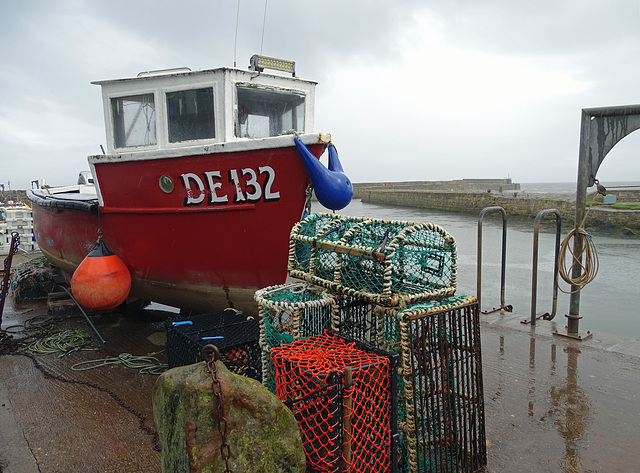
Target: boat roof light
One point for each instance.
(260, 63)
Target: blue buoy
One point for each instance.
(332, 187)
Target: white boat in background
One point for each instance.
(16, 218)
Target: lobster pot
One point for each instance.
(290, 312)
(442, 384)
(235, 335)
(342, 393)
(357, 319)
(379, 326)
(383, 262)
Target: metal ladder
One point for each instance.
(534, 275)
(534, 270)
(503, 270)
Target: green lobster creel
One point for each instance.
(386, 262)
(290, 312)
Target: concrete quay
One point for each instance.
(552, 404)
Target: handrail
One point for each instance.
(165, 71)
(504, 260)
(534, 273)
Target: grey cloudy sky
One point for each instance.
(409, 90)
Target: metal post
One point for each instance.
(573, 317)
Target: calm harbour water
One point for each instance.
(608, 304)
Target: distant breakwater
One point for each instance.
(465, 198)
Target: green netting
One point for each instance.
(440, 400)
(428, 307)
(290, 312)
(440, 412)
(385, 262)
(329, 227)
(444, 396)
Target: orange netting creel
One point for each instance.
(341, 393)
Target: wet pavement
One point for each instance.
(552, 404)
(555, 404)
(54, 418)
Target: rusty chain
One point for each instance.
(6, 274)
(211, 354)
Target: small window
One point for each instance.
(134, 121)
(190, 115)
(263, 113)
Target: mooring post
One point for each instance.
(573, 317)
(600, 130)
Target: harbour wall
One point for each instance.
(458, 185)
(513, 201)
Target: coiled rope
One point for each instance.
(65, 342)
(591, 264)
(145, 364)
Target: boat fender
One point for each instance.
(101, 281)
(332, 187)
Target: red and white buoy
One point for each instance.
(101, 281)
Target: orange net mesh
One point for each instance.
(342, 396)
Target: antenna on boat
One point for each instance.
(235, 43)
(264, 21)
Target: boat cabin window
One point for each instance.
(190, 115)
(263, 113)
(134, 122)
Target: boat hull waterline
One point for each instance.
(202, 232)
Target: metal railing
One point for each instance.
(503, 269)
(534, 272)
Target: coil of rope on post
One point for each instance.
(591, 264)
(589, 267)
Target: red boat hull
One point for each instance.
(201, 232)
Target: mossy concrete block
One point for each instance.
(262, 433)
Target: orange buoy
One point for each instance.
(101, 281)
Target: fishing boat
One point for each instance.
(203, 177)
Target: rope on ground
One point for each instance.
(146, 364)
(4, 335)
(38, 325)
(588, 268)
(65, 342)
